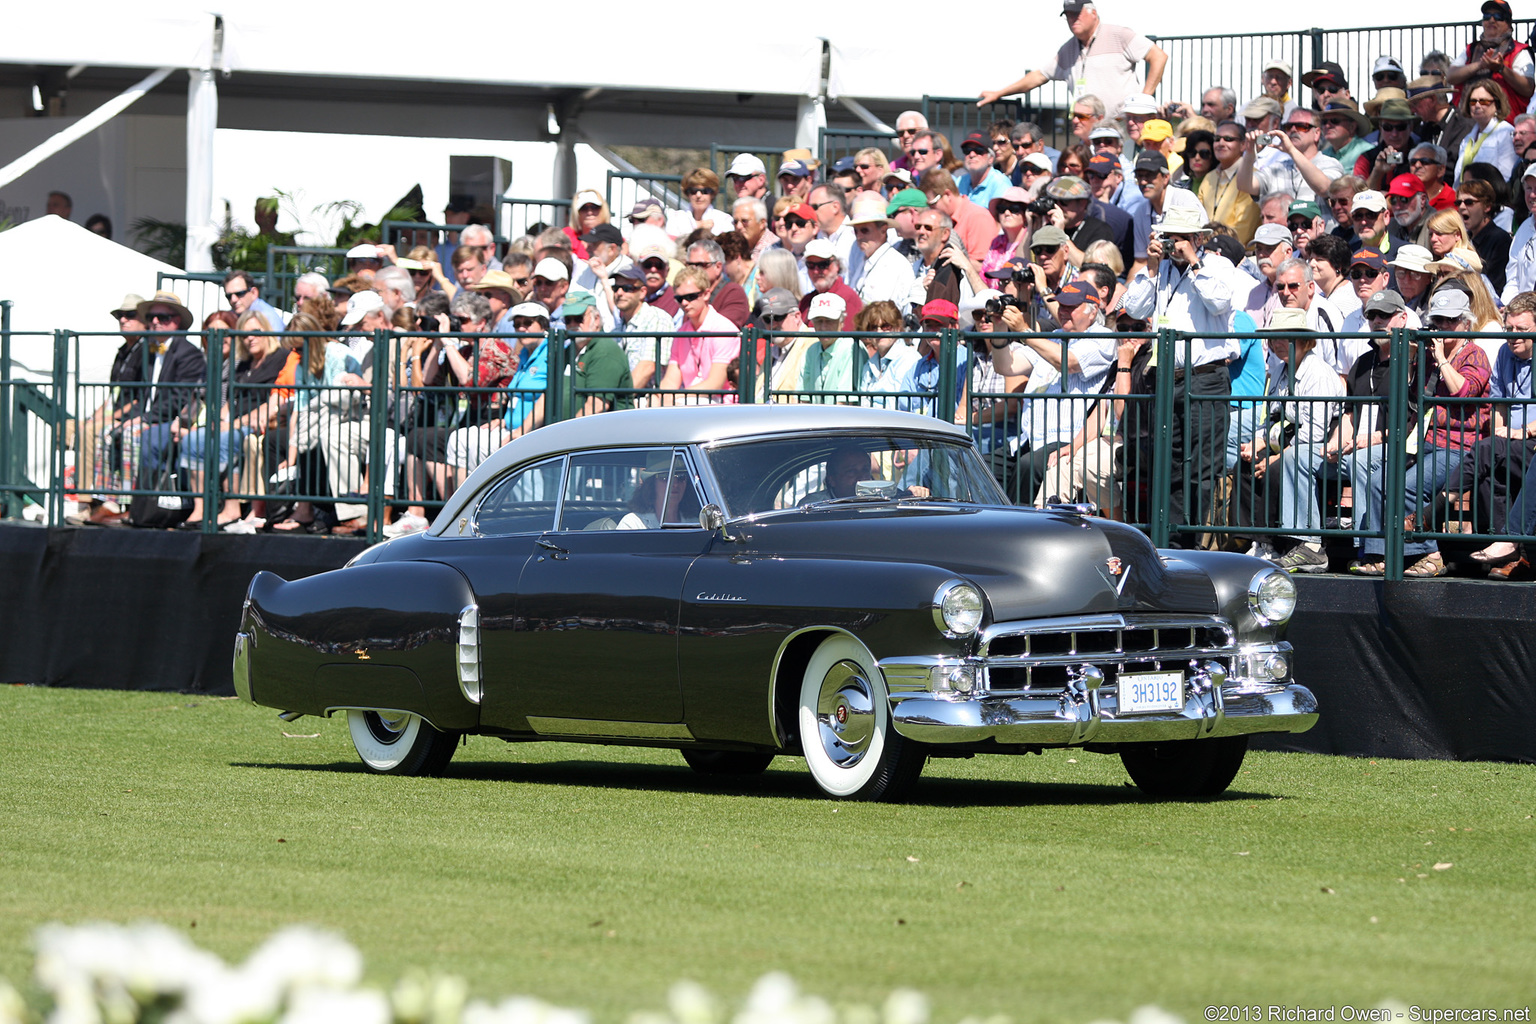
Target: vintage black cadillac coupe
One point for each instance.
(846, 585)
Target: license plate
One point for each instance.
(1141, 692)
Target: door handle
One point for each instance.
(557, 552)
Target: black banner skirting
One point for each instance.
(1416, 669)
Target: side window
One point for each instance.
(630, 489)
(523, 501)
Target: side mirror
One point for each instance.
(712, 518)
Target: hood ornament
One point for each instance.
(1114, 565)
(1115, 573)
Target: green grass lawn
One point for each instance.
(1044, 888)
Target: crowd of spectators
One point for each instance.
(1262, 219)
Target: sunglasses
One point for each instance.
(1297, 129)
(1394, 126)
(771, 320)
(699, 191)
(162, 318)
(1204, 154)
(907, 131)
(1344, 201)
(242, 293)
(921, 152)
(1480, 101)
(633, 286)
(1466, 201)
(1081, 117)
(1379, 317)
(689, 297)
(1363, 215)
(1014, 208)
(817, 265)
(795, 222)
(1234, 139)
(1024, 145)
(863, 167)
(1288, 286)
(1364, 274)
(521, 282)
(1335, 122)
(1421, 160)
(974, 150)
(704, 265)
(1045, 250)
(1300, 225)
(655, 266)
(1444, 322)
(983, 318)
(522, 323)
(1000, 143)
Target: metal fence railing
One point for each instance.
(833, 144)
(287, 263)
(403, 434)
(515, 217)
(626, 188)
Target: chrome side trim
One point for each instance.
(242, 667)
(467, 659)
(596, 727)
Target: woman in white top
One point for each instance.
(656, 498)
(700, 186)
(1492, 140)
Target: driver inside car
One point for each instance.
(845, 468)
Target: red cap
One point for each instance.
(1406, 185)
(941, 309)
(803, 210)
(977, 139)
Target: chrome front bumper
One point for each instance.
(1078, 716)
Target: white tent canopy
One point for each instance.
(57, 275)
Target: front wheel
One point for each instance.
(399, 743)
(845, 726)
(1185, 769)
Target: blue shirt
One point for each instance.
(1512, 379)
(1248, 369)
(274, 315)
(994, 184)
(923, 376)
(527, 385)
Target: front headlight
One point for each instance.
(957, 608)
(1271, 597)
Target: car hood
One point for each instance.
(1030, 562)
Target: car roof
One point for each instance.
(691, 425)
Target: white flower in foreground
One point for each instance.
(1153, 1015)
(692, 1003)
(522, 1010)
(328, 1006)
(11, 1006)
(905, 1006)
(162, 961)
(231, 997)
(306, 957)
(420, 998)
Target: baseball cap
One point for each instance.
(577, 302)
(1408, 185)
(1388, 64)
(1073, 6)
(1152, 160)
(551, 269)
(1327, 70)
(1104, 131)
(630, 269)
(844, 164)
(1048, 235)
(1385, 301)
(796, 169)
(1263, 106)
(586, 197)
(1039, 161)
(907, 197)
(1017, 267)
(1304, 208)
(1498, 7)
(776, 302)
(1156, 130)
(1102, 164)
(531, 310)
(1449, 302)
(805, 211)
(820, 249)
(1281, 66)
(603, 233)
(1075, 293)
(941, 309)
(745, 165)
(977, 141)
(826, 306)
(1368, 199)
(1368, 257)
(360, 305)
(1271, 234)
(365, 251)
(645, 207)
(900, 175)
(1138, 104)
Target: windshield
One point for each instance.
(767, 476)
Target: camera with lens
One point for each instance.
(1002, 302)
(429, 324)
(1041, 206)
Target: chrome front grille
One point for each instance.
(1039, 654)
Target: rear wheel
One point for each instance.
(1185, 769)
(727, 762)
(399, 743)
(845, 726)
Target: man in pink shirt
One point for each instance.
(973, 224)
(699, 364)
